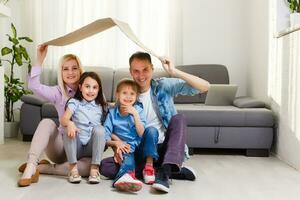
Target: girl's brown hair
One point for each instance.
(100, 99)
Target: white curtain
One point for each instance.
(284, 71)
(157, 23)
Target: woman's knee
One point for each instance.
(46, 126)
(48, 122)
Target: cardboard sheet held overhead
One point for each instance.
(97, 27)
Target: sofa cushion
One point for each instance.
(215, 74)
(33, 100)
(248, 102)
(204, 115)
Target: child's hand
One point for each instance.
(72, 130)
(129, 109)
(122, 147)
(118, 157)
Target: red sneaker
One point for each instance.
(149, 174)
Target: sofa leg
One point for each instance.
(191, 151)
(27, 138)
(257, 152)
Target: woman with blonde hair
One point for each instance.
(48, 136)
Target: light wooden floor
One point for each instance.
(219, 177)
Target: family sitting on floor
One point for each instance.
(143, 127)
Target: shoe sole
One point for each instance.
(94, 182)
(128, 187)
(160, 187)
(75, 182)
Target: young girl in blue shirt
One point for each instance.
(85, 135)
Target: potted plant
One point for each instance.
(294, 6)
(16, 55)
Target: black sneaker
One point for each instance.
(186, 173)
(161, 182)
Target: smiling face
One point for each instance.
(141, 72)
(126, 95)
(89, 89)
(71, 73)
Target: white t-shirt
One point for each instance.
(151, 116)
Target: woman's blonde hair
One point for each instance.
(60, 80)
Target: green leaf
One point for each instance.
(6, 78)
(24, 52)
(5, 51)
(14, 31)
(18, 58)
(17, 50)
(25, 38)
(9, 37)
(15, 41)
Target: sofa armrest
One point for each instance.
(49, 111)
(33, 100)
(248, 102)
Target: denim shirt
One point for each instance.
(86, 115)
(162, 92)
(124, 126)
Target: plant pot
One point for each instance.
(295, 20)
(11, 129)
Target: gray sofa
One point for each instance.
(246, 124)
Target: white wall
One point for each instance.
(216, 33)
(287, 109)
(16, 18)
(257, 67)
(286, 143)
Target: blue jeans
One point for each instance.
(171, 151)
(127, 166)
(147, 147)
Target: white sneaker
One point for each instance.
(95, 179)
(128, 183)
(74, 177)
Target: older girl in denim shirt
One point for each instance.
(85, 134)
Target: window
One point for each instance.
(284, 70)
